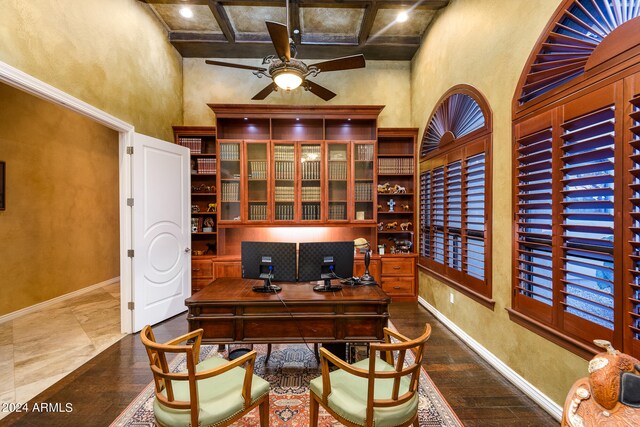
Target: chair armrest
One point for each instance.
(325, 357)
(249, 358)
(390, 333)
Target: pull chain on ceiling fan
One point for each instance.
(286, 71)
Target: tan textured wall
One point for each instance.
(485, 43)
(60, 229)
(112, 54)
(380, 83)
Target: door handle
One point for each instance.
(187, 250)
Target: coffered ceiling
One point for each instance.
(325, 28)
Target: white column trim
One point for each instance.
(27, 83)
(516, 379)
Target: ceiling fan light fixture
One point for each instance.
(288, 79)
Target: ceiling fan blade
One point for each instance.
(318, 90)
(344, 63)
(264, 92)
(280, 38)
(228, 64)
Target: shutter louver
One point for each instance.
(534, 216)
(454, 215)
(634, 296)
(425, 214)
(588, 216)
(474, 215)
(437, 214)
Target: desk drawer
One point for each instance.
(199, 284)
(398, 285)
(202, 269)
(397, 267)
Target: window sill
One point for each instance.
(581, 349)
(483, 300)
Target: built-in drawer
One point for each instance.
(397, 267)
(201, 268)
(199, 284)
(398, 285)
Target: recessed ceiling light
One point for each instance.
(186, 12)
(402, 16)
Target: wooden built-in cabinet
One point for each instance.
(296, 166)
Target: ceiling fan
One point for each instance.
(287, 72)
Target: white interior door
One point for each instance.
(161, 264)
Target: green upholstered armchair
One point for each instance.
(375, 391)
(214, 392)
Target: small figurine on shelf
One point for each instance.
(399, 189)
(194, 225)
(406, 207)
(195, 208)
(212, 208)
(380, 226)
(379, 208)
(391, 204)
(392, 225)
(208, 224)
(384, 188)
(404, 226)
(401, 246)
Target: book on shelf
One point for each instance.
(284, 212)
(229, 152)
(284, 152)
(207, 166)
(230, 191)
(258, 169)
(310, 212)
(257, 211)
(337, 211)
(338, 171)
(392, 165)
(193, 144)
(285, 170)
(365, 152)
(363, 191)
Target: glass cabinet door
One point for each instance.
(257, 181)
(310, 175)
(363, 191)
(229, 209)
(338, 180)
(285, 181)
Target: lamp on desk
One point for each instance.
(361, 243)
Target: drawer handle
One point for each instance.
(396, 287)
(396, 267)
(196, 269)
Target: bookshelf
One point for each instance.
(201, 141)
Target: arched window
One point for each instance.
(576, 160)
(455, 204)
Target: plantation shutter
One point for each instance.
(425, 215)
(632, 313)
(588, 216)
(453, 216)
(533, 215)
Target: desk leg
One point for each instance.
(268, 354)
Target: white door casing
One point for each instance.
(161, 235)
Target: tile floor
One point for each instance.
(40, 348)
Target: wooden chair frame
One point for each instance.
(163, 377)
(386, 351)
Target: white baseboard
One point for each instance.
(527, 388)
(56, 300)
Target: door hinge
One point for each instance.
(130, 253)
(131, 305)
(129, 150)
(130, 201)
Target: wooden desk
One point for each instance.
(230, 312)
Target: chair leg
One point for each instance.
(264, 413)
(314, 408)
(416, 423)
(316, 353)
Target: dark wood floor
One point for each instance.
(103, 387)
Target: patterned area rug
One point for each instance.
(289, 371)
